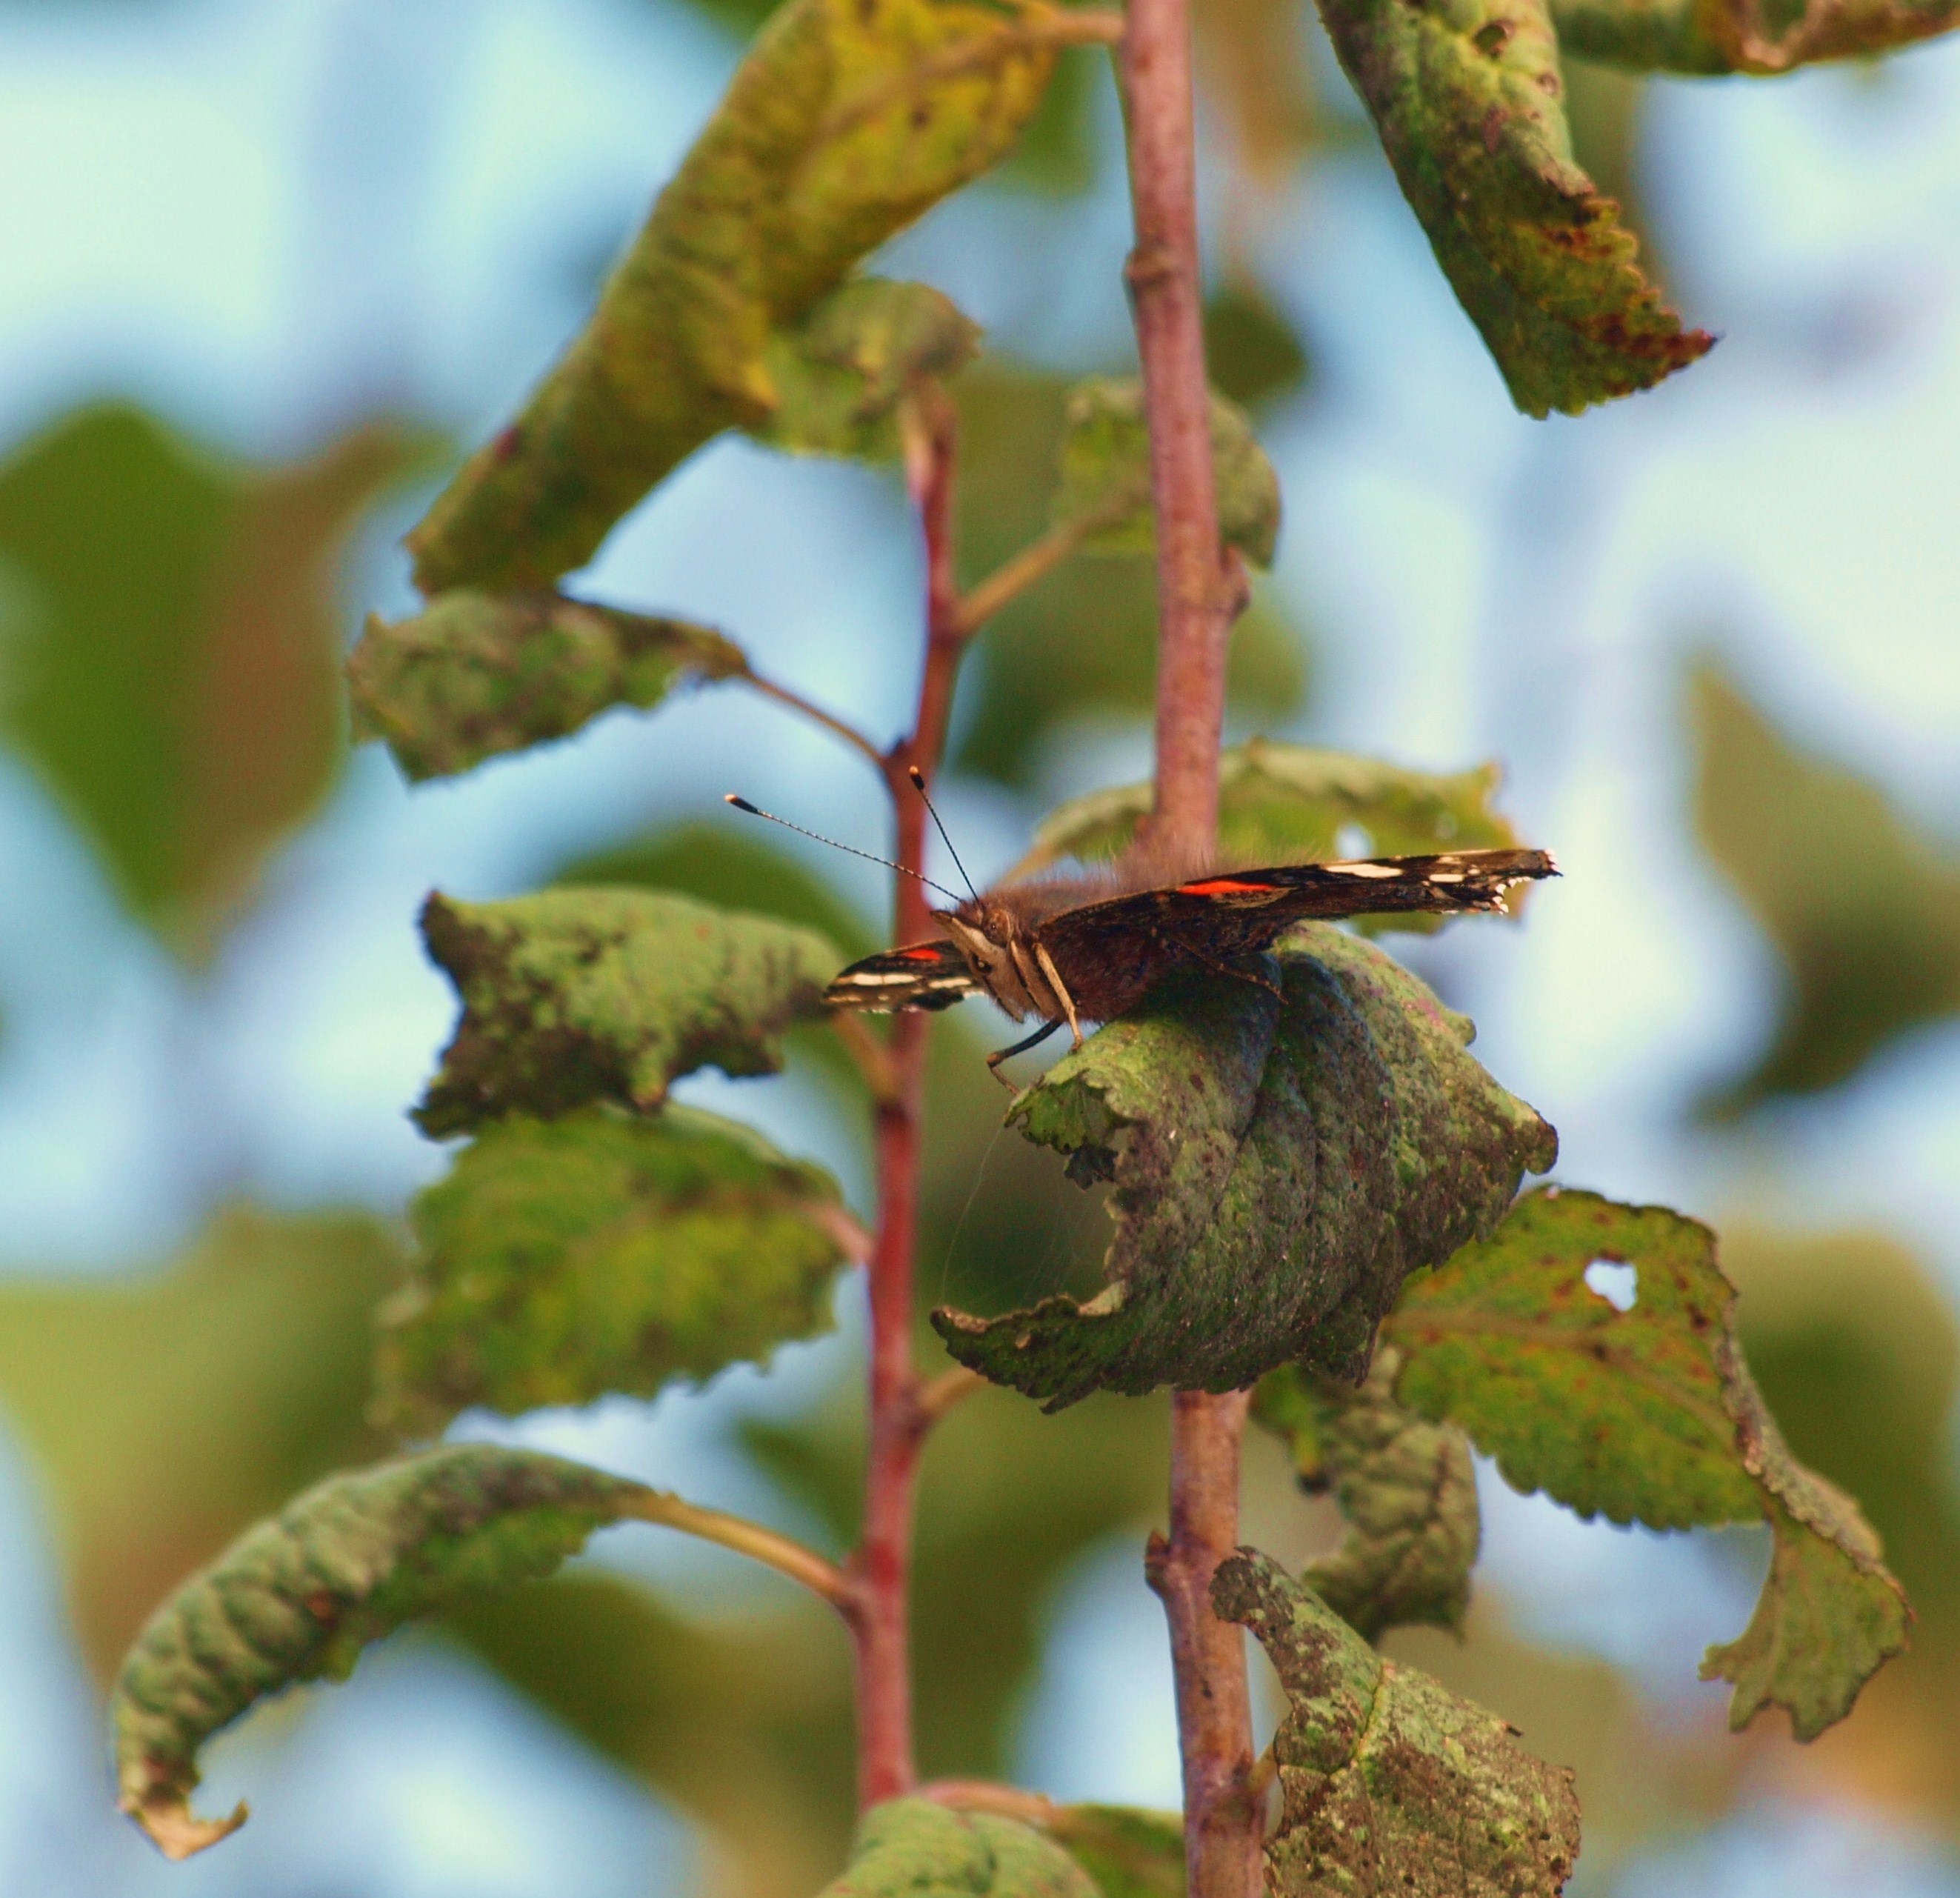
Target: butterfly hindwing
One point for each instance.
(927, 975)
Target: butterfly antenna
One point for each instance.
(918, 784)
(756, 810)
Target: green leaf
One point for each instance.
(1467, 100)
(1105, 473)
(1650, 1415)
(842, 371)
(576, 995)
(563, 1260)
(918, 1849)
(172, 647)
(299, 1596)
(475, 674)
(1743, 36)
(1251, 350)
(1406, 1487)
(846, 121)
(1282, 804)
(1390, 1782)
(1281, 1167)
(1079, 645)
(1129, 1851)
(1863, 906)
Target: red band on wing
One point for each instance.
(925, 954)
(1226, 887)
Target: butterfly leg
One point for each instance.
(1061, 994)
(993, 1060)
(1218, 968)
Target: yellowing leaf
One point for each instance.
(475, 674)
(576, 995)
(1283, 1159)
(1390, 1783)
(1105, 474)
(563, 1260)
(172, 652)
(1863, 908)
(1467, 100)
(1406, 1487)
(299, 1596)
(1648, 1414)
(847, 120)
(1708, 37)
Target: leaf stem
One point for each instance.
(1200, 591)
(796, 702)
(782, 1553)
(1037, 560)
(948, 1388)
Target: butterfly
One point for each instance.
(1091, 949)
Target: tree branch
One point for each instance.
(797, 703)
(1198, 594)
(781, 1553)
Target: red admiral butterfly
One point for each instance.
(1089, 949)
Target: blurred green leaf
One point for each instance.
(847, 120)
(1281, 1165)
(1251, 351)
(1649, 1414)
(477, 674)
(1863, 909)
(171, 646)
(842, 371)
(1406, 1488)
(165, 1410)
(1129, 1852)
(1468, 103)
(1388, 1782)
(575, 995)
(563, 1260)
(1081, 644)
(1280, 804)
(299, 1596)
(1744, 36)
(917, 1846)
(1255, 69)
(1105, 471)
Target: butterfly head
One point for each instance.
(986, 932)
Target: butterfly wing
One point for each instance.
(927, 975)
(1110, 950)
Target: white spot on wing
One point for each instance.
(1362, 869)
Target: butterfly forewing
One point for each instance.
(927, 975)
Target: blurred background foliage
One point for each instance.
(334, 255)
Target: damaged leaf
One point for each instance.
(1648, 1414)
(847, 120)
(1105, 473)
(475, 675)
(1281, 804)
(841, 372)
(1468, 100)
(298, 1596)
(1282, 1162)
(1406, 1488)
(563, 1260)
(1711, 37)
(1389, 1782)
(918, 1849)
(572, 996)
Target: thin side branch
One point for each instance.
(797, 703)
(1038, 559)
(949, 1388)
(782, 1553)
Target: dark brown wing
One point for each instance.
(1107, 950)
(928, 975)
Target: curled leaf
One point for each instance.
(847, 120)
(1105, 473)
(561, 1260)
(1283, 1157)
(298, 1597)
(1711, 37)
(1292, 803)
(1648, 1414)
(841, 372)
(918, 1849)
(1467, 100)
(574, 995)
(1390, 1782)
(476, 674)
(1406, 1487)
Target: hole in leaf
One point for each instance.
(1352, 840)
(1614, 1281)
